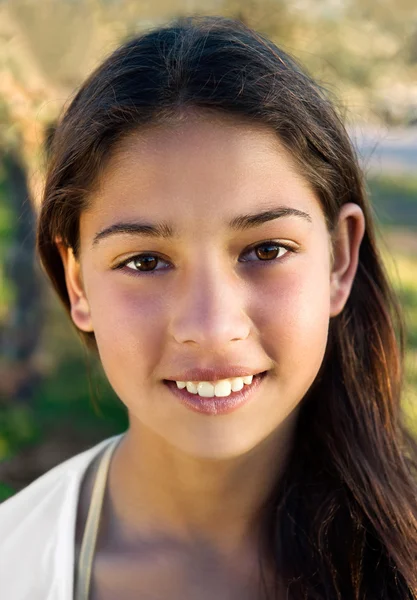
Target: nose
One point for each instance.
(210, 309)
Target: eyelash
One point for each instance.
(135, 272)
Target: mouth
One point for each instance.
(216, 405)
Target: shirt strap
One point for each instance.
(92, 525)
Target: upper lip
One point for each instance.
(210, 374)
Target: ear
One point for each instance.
(347, 239)
(80, 309)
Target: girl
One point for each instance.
(205, 223)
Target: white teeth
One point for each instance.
(205, 389)
(237, 384)
(222, 388)
(191, 387)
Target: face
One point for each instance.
(212, 294)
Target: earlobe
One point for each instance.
(346, 243)
(80, 309)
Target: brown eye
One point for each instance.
(268, 251)
(142, 263)
(145, 262)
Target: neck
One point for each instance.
(155, 488)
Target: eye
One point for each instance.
(268, 251)
(142, 263)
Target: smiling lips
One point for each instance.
(219, 389)
(202, 396)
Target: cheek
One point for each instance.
(129, 330)
(292, 316)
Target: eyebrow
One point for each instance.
(165, 231)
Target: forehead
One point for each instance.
(205, 170)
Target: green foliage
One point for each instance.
(408, 297)
(78, 392)
(5, 491)
(394, 199)
(19, 427)
(6, 230)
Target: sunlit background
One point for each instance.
(54, 400)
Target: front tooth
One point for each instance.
(191, 387)
(237, 384)
(205, 389)
(220, 389)
(223, 388)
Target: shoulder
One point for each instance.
(37, 528)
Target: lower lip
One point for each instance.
(216, 405)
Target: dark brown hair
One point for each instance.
(342, 522)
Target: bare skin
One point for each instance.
(162, 566)
(181, 516)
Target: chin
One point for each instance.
(216, 447)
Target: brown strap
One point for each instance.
(93, 521)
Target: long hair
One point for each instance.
(342, 521)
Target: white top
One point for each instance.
(37, 533)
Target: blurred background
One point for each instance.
(54, 399)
